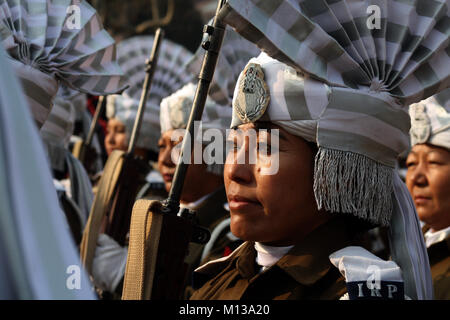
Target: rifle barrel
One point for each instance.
(150, 70)
(98, 110)
(212, 46)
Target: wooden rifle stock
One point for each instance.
(159, 238)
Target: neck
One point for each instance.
(317, 218)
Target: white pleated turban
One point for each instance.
(124, 108)
(175, 111)
(58, 41)
(57, 130)
(169, 76)
(176, 108)
(36, 244)
(430, 121)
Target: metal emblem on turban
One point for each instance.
(179, 113)
(420, 124)
(253, 94)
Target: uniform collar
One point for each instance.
(432, 238)
(308, 261)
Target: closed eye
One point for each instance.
(410, 164)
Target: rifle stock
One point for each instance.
(117, 220)
(159, 238)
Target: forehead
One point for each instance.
(426, 149)
(114, 122)
(179, 133)
(265, 126)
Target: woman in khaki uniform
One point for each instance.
(428, 180)
(326, 170)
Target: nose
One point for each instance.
(238, 167)
(165, 156)
(418, 176)
(110, 138)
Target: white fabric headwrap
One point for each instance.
(175, 111)
(56, 133)
(41, 89)
(34, 233)
(58, 41)
(124, 108)
(176, 108)
(368, 276)
(430, 122)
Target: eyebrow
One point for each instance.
(436, 152)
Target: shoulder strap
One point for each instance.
(78, 149)
(102, 199)
(145, 231)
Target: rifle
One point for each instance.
(159, 237)
(118, 223)
(82, 150)
(118, 187)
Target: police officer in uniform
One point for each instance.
(336, 174)
(428, 180)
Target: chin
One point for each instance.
(425, 215)
(244, 230)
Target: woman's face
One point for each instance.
(196, 176)
(276, 209)
(116, 136)
(428, 181)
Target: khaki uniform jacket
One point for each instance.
(439, 255)
(305, 272)
(209, 214)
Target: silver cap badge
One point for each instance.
(253, 94)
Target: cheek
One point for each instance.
(107, 139)
(408, 180)
(122, 140)
(289, 188)
(440, 187)
(160, 162)
(284, 195)
(226, 179)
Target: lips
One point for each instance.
(421, 200)
(167, 177)
(237, 202)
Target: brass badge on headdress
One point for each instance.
(420, 124)
(253, 94)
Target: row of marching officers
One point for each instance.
(311, 112)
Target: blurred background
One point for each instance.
(182, 20)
